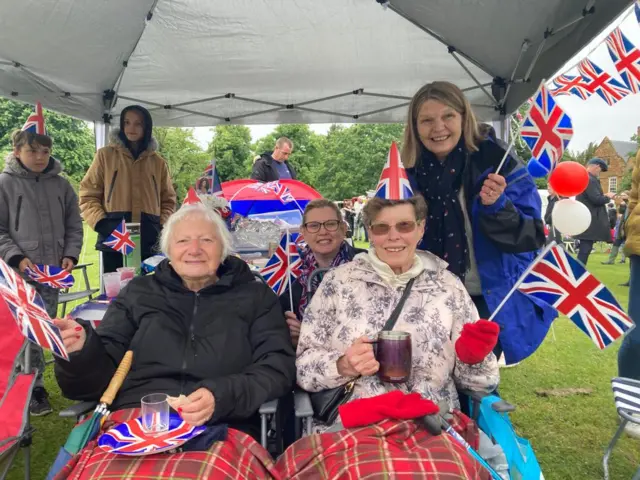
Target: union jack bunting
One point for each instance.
(394, 183)
(35, 122)
(120, 239)
(546, 129)
(564, 283)
(598, 81)
(29, 312)
(570, 85)
(51, 276)
(130, 438)
(626, 58)
(282, 268)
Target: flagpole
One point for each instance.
(521, 279)
(513, 140)
(289, 271)
(506, 154)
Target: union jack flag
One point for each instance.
(192, 197)
(130, 438)
(636, 8)
(394, 183)
(598, 81)
(570, 85)
(564, 283)
(51, 276)
(29, 312)
(281, 191)
(546, 129)
(120, 239)
(626, 58)
(35, 122)
(282, 268)
(215, 187)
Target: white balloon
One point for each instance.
(570, 217)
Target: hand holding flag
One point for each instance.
(51, 276)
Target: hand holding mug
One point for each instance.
(359, 359)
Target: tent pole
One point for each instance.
(523, 48)
(380, 110)
(452, 51)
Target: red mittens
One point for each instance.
(476, 341)
(394, 404)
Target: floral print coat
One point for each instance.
(353, 300)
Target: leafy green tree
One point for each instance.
(73, 140)
(231, 147)
(185, 158)
(353, 157)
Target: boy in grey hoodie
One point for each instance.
(39, 223)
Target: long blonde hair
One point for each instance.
(450, 95)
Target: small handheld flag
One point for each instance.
(120, 239)
(51, 276)
(284, 265)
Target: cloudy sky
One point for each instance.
(592, 119)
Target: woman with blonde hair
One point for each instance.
(487, 225)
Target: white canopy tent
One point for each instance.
(205, 62)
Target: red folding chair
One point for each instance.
(16, 385)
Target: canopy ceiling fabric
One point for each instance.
(225, 61)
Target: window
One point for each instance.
(613, 184)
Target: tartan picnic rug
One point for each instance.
(239, 457)
(387, 450)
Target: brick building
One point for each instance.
(616, 154)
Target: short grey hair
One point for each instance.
(207, 214)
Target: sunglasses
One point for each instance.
(329, 226)
(384, 229)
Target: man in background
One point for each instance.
(274, 166)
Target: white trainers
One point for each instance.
(502, 363)
(632, 429)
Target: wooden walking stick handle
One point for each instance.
(118, 377)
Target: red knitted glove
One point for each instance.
(476, 341)
(394, 404)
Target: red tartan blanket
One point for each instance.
(387, 450)
(239, 457)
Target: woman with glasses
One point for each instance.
(324, 232)
(355, 300)
(487, 225)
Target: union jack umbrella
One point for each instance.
(570, 85)
(120, 239)
(598, 81)
(564, 283)
(626, 57)
(281, 191)
(284, 265)
(29, 312)
(51, 276)
(394, 183)
(192, 197)
(130, 438)
(35, 122)
(546, 129)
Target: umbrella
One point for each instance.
(247, 201)
(85, 431)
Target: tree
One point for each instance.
(185, 159)
(231, 147)
(73, 140)
(581, 156)
(307, 149)
(353, 157)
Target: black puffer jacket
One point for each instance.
(596, 201)
(230, 338)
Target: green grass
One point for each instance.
(569, 434)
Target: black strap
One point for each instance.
(396, 311)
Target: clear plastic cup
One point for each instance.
(111, 284)
(126, 273)
(155, 413)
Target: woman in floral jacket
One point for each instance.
(355, 300)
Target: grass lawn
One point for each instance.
(569, 434)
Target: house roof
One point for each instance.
(624, 149)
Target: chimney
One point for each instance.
(638, 132)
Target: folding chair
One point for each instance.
(626, 395)
(16, 386)
(66, 296)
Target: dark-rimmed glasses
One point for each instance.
(329, 226)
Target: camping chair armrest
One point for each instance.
(269, 408)
(78, 409)
(501, 406)
(302, 404)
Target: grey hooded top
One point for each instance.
(39, 215)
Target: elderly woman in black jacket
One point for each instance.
(201, 326)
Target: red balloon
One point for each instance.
(569, 179)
